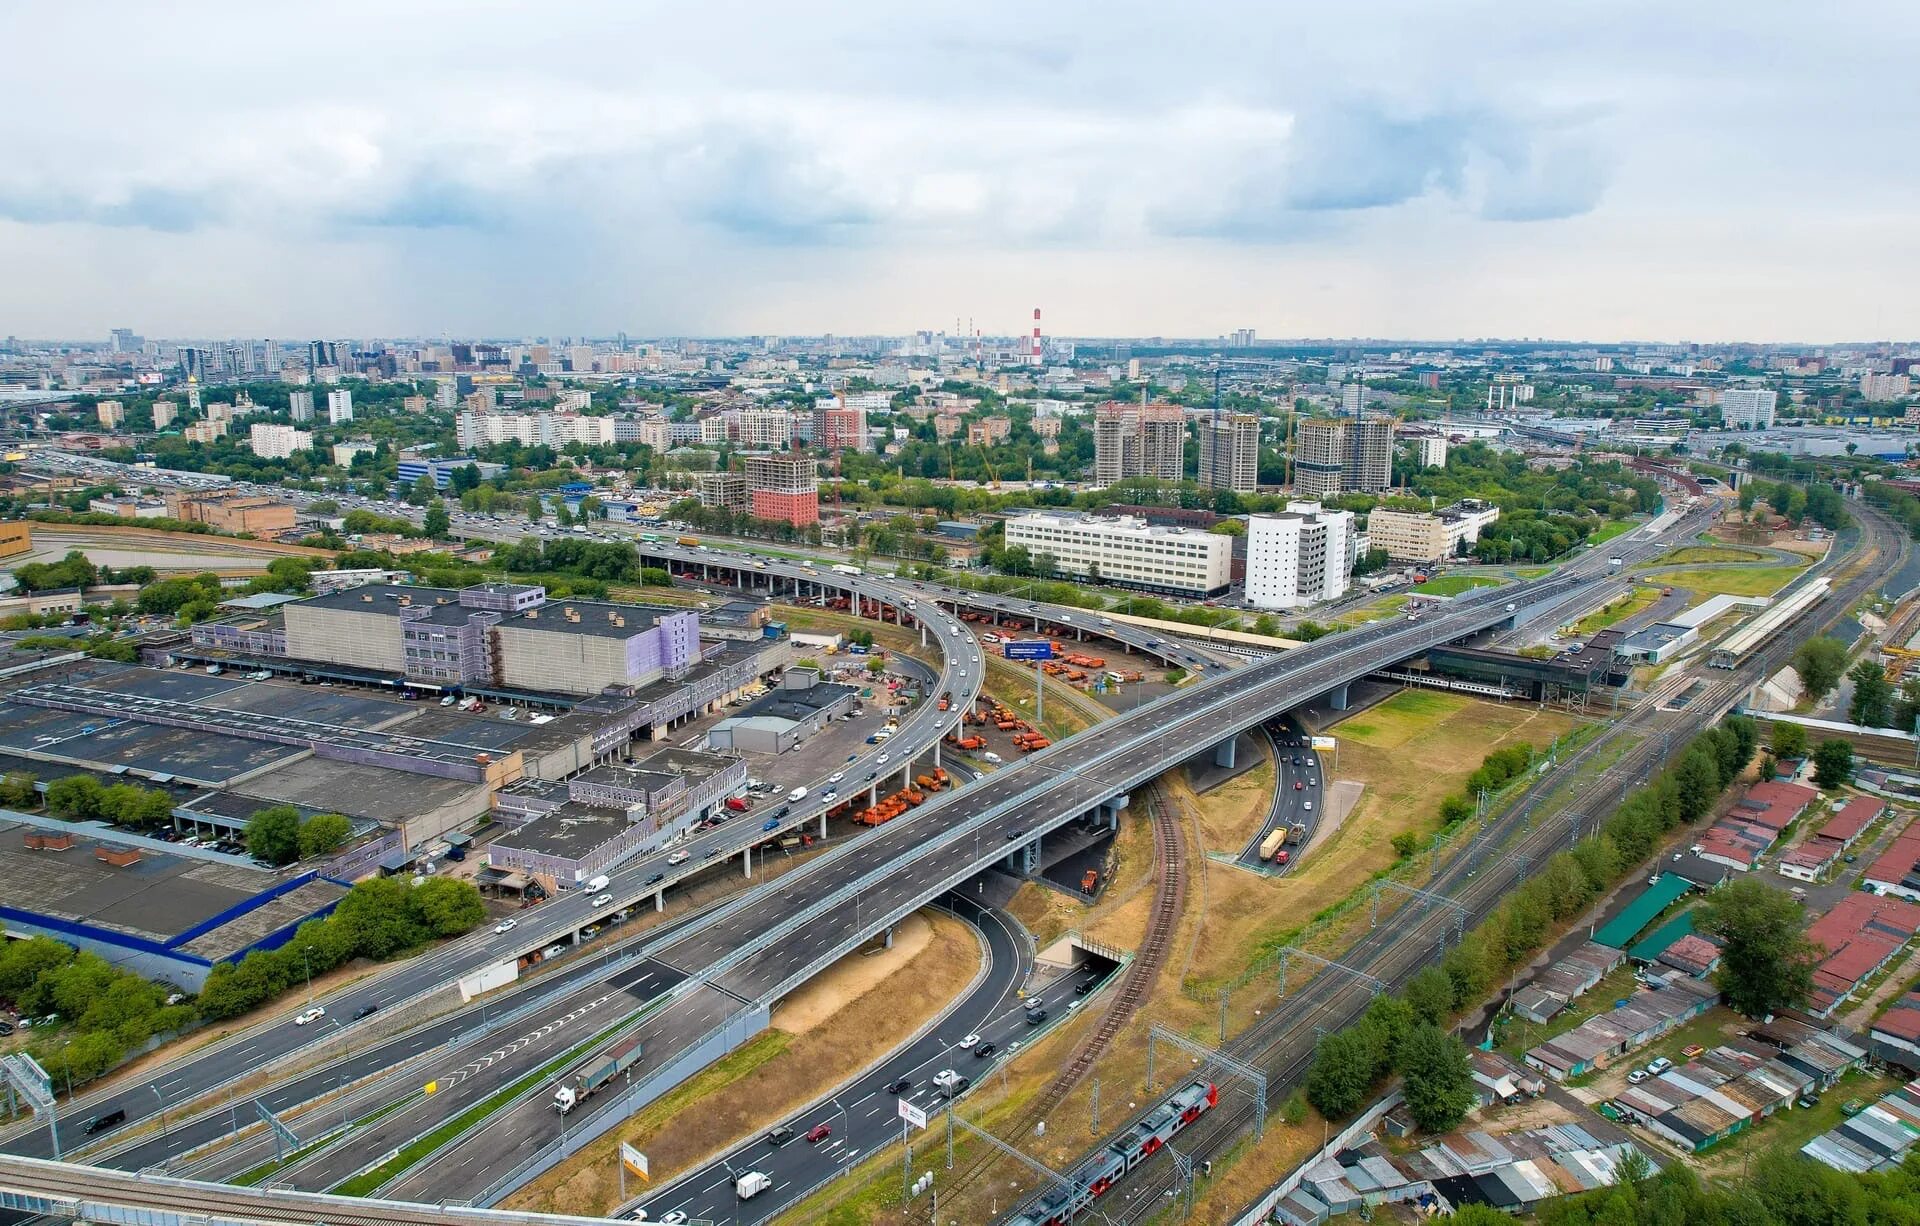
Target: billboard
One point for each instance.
(1325, 744)
(488, 978)
(1029, 649)
(912, 1114)
(635, 1161)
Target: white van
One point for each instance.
(797, 794)
(595, 885)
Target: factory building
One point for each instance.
(499, 634)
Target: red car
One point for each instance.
(1297, 785)
(819, 1133)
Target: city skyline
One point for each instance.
(1386, 170)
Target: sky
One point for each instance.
(1705, 171)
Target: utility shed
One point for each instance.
(1620, 931)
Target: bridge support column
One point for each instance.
(823, 823)
(746, 861)
(1030, 857)
(660, 900)
(936, 753)
(1339, 698)
(886, 938)
(873, 796)
(1110, 810)
(1223, 753)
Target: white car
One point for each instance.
(602, 900)
(976, 659)
(967, 1044)
(882, 759)
(836, 776)
(311, 1015)
(506, 925)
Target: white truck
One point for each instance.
(950, 1083)
(751, 1184)
(596, 884)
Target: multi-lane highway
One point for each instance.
(1299, 797)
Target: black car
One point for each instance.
(1036, 1016)
(656, 878)
(1083, 989)
(780, 1135)
(901, 1086)
(6, 1028)
(100, 1123)
(983, 1050)
(365, 1011)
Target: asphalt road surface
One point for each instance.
(1299, 796)
(864, 1116)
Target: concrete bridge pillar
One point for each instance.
(1224, 753)
(823, 823)
(660, 900)
(886, 938)
(746, 861)
(936, 753)
(873, 796)
(1338, 699)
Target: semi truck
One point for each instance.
(841, 568)
(1270, 846)
(592, 1076)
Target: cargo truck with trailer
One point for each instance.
(590, 1078)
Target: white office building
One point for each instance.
(1299, 557)
(339, 406)
(1748, 407)
(1128, 551)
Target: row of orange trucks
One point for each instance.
(894, 804)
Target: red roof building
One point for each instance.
(1897, 871)
(1852, 820)
(1860, 935)
(1773, 804)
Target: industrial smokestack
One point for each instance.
(1033, 354)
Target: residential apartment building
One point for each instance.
(1872, 387)
(206, 431)
(784, 487)
(1429, 450)
(1138, 440)
(1230, 452)
(112, 414)
(1128, 551)
(1299, 557)
(840, 426)
(164, 411)
(765, 428)
(723, 491)
(1369, 467)
(339, 406)
(1748, 407)
(1319, 457)
(301, 404)
(273, 442)
(556, 430)
(1429, 536)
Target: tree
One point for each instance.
(1832, 764)
(379, 916)
(1430, 995)
(274, 834)
(876, 666)
(1767, 963)
(322, 833)
(1405, 844)
(1438, 1080)
(1344, 1070)
(24, 962)
(1789, 740)
(77, 797)
(1820, 662)
(447, 907)
(436, 522)
(19, 790)
(1872, 704)
(1698, 780)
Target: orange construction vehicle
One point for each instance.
(1088, 880)
(970, 742)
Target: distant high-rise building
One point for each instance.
(1369, 467)
(1877, 387)
(276, 442)
(301, 402)
(1138, 440)
(1748, 407)
(841, 427)
(1230, 452)
(784, 487)
(164, 411)
(339, 406)
(194, 363)
(1320, 456)
(124, 341)
(723, 491)
(1352, 398)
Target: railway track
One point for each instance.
(1163, 921)
(1281, 1045)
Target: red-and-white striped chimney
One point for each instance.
(1033, 354)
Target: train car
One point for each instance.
(1096, 1176)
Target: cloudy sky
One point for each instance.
(1417, 168)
